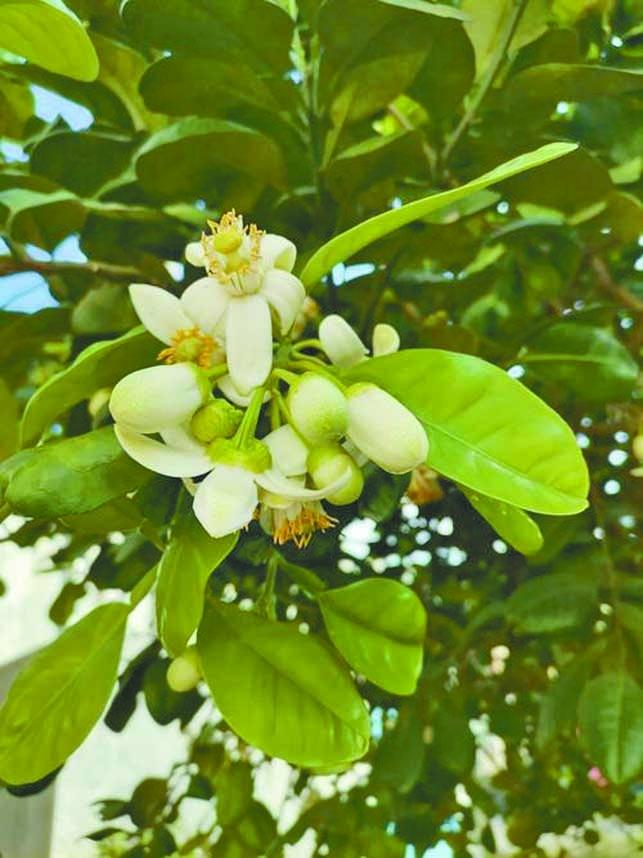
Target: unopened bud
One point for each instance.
(184, 672)
(386, 340)
(195, 254)
(159, 397)
(318, 408)
(254, 456)
(340, 342)
(328, 464)
(384, 430)
(217, 419)
(637, 447)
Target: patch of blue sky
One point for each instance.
(49, 105)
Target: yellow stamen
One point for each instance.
(227, 241)
(190, 344)
(300, 528)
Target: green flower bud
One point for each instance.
(637, 447)
(327, 464)
(184, 672)
(255, 456)
(217, 419)
(318, 408)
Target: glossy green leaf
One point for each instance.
(510, 523)
(105, 309)
(99, 365)
(41, 218)
(207, 158)
(187, 563)
(46, 33)
(378, 625)
(552, 603)
(59, 696)
(282, 691)
(486, 430)
(343, 246)
(586, 361)
(73, 476)
(399, 758)
(611, 724)
(9, 425)
(559, 704)
(16, 107)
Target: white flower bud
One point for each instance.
(386, 340)
(328, 464)
(340, 342)
(384, 430)
(159, 397)
(184, 672)
(195, 254)
(318, 408)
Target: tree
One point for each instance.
(462, 180)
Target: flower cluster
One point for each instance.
(231, 364)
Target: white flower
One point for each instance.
(250, 273)
(226, 500)
(187, 325)
(385, 430)
(345, 349)
(159, 397)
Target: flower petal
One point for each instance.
(161, 458)
(159, 310)
(272, 481)
(277, 252)
(226, 500)
(195, 254)
(340, 342)
(204, 302)
(285, 293)
(181, 438)
(248, 341)
(227, 388)
(386, 340)
(288, 451)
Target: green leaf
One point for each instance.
(48, 34)
(99, 365)
(611, 724)
(559, 704)
(281, 690)
(552, 603)
(40, 218)
(9, 424)
(399, 759)
(246, 30)
(104, 309)
(73, 476)
(190, 558)
(486, 430)
(587, 361)
(16, 107)
(510, 523)
(207, 158)
(59, 696)
(344, 245)
(378, 625)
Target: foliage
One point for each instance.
(467, 172)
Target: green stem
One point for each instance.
(487, 79)
(248, 426)
(217, 371)
(266, 602)
(305, 578)
(306, 344)
(150, 533)
(284, 375)
(143, 587)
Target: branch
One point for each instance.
(13, 265)
(487, 80)
(607, 284)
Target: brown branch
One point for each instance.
(607, 284)
(12, 265)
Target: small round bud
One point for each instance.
(327, 464)
(637, 447)
(386, 340)
(217, 419)
(184, 672)
(318, 408)
(254, 456)
(340, 342)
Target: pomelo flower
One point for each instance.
(249, 272)
(187, 325)
(343, 346)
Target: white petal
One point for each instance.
(159, 310)
(277, 252)
(159, 397)
(340, 342)
(226, 500)
(227, 388)
(181, 438)
(272, 481)
(248, 341)
(195, 254)
(288, 451)
(204, 302)
(285, 293)
(170, 461)
(386, 340)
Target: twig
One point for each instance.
(12, 265)
(607, 284)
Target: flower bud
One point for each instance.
(217, 419)
(386, 340)
(318, 408)
(384, 430)
(254, 456)
(637, 447)
(184, 672)
(340, 342)
(195, 254)
(327, 464)
(159, 397)
(289, 453)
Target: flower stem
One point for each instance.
(305, 578)
(265, 604)
(248, 425)
(284, 375)
(217, 371)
